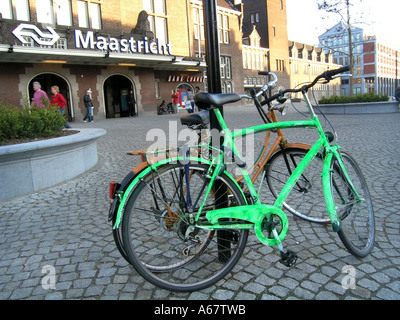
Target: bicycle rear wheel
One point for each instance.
(306, 199)
(355, 211)
(159, 236)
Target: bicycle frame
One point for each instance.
(257, 213)
(279, 143)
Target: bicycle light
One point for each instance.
(113, 188)
(330, 136)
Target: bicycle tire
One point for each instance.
(154, 239)
(357, 216)
(306, 199)
(118, 242)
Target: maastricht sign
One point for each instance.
(90, 40)
(121, 45)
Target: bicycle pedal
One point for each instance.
(288, 259)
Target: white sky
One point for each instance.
(305, 22)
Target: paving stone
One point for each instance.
(72, 233)
(223, 295)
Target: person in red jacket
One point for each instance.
(175, 100)
(58, 101)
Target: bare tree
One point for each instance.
(343, 9)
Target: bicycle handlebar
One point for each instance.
(327, 75)
(330, 73)
(270, 85)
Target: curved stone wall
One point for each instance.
(33, 166)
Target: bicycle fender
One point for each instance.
(132, 180)
(293, 145)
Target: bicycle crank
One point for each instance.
(258, 215)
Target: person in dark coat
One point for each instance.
(87, 100)
(130, 100)
(397, 94)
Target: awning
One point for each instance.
(22, 54)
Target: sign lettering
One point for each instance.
(144, 46)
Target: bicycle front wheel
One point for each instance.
(354, 206)
(306, 199)
(160, 237)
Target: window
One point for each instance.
(226, 72)
(198, 23)
(229, 87)
(89, 14)
(274, 31)
(63, 12)
(83, 14)
(21, 9)
(223, 87)
(157, 87)
(44, 11)
(223, 28)
(305, 68)
(255, 17)
(280, 65)
(157, 12)
(6, 9)
(95, 15)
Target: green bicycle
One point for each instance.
(185, 221)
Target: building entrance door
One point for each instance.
(116, 88)
(47, 80)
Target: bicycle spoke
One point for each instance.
(164, 246)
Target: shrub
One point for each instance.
(29, 123)
(368, 97)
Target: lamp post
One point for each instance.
(395, 81)
(214, 86)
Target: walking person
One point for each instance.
(175, 100)
(87, 100)
(397, 94)
(40, 98)
(130, 100)
(196, 91)
(191, 100)
(58, 101)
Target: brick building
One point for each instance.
(152, 47)
(381, 66)
(270, 20)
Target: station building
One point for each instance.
(150, 47)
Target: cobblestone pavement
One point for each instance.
(66, 227)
